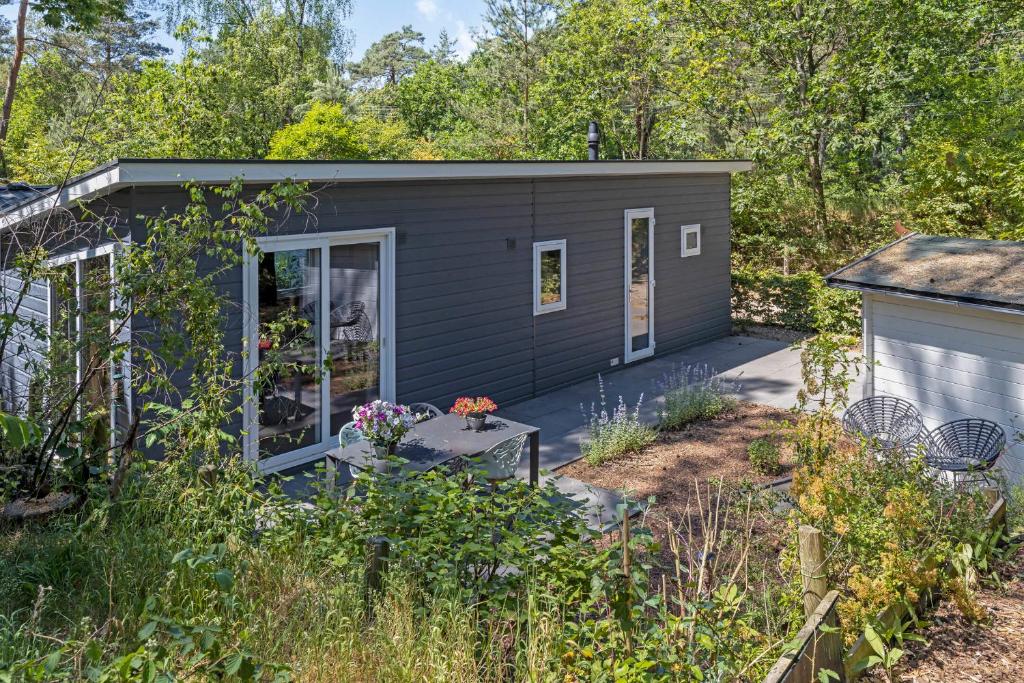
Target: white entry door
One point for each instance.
(320, 309)
(639, 283)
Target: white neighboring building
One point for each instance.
(944, 329)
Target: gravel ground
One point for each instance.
(672, 469)
(713, 449)
(959, 651)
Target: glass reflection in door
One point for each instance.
(354, 329)
(639, 284)
(289, 395)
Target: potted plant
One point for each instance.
(475, 410)
(383, 424)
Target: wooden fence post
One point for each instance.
(996, 510)
(812, 568)
(375, 570)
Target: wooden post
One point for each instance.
(996, 517)
(816, 649)
(627, 571)
(375, 569)
(812, 568)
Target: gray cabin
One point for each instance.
(425, 281)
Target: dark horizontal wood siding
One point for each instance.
(691, 297)
(464, 269)
(25, 352)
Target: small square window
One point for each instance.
(690, 240)
(548, 276)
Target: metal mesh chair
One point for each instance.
(499, 462)
(891, 423)
(425, 411)
(965, 448)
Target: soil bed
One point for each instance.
(712, 449)
(961, 651)
(680, 471)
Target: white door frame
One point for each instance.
(385, 237)
(630, 214)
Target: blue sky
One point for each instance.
(371, 19)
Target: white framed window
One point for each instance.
(83, 283)
(548, 276)
(689, 239)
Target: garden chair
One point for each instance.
(966, 449)
(890, 424)
(425, 411)
(500, 462)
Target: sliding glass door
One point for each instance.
(639, 283)
(322, 314)
(289, 396)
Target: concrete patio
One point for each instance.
(766, 371)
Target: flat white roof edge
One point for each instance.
(154, 173)
(158, 172)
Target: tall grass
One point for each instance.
(230, 582)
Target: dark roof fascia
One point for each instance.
(930, 296)
(835, 279)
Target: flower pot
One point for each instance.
(476, 421)
(378, 458)
(383, 450)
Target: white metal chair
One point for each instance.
(347, 436)
(500, 462)
(425, 411)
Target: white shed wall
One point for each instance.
(951, 362)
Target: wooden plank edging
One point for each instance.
(995, 519)
(815, 650)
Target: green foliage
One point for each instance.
(391, 59)
(616, 433)
(463, 537)
(764, 456)
(428, 100)
(800, 301)
(827, 369)
(326, 132)
(608, 62)
(693, 393)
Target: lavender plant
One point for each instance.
(616, 433)
(694, 392)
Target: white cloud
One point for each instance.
(427, 8)
(464, 41)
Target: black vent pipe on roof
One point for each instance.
(593, 142)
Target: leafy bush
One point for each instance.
(189, 577)
(610, 435)
(694, 392)
(896, 531)
(764, 456)
(800, 301)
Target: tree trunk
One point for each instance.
(12, 76)
(816, 163)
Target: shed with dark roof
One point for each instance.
(944, 328)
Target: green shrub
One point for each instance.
(764, 456)
(800, 301)
(694, 392)
(611, 435)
